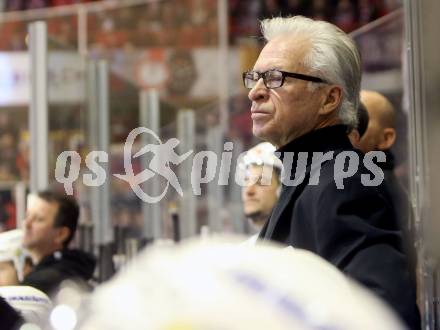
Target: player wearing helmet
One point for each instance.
(262, 177)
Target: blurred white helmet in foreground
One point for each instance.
(11, 249)
(263, 154)
(33, 304)
(217, 284)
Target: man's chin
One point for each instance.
(27, 243)
(259, 131)
(254, 214)
(264, 134)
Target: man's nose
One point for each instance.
(259, 92)
(250, 190)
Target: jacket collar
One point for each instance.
(323, 139)
(389, 164)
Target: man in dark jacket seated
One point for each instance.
(49, 227)
(304, 89)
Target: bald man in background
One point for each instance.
(381, 129)
(381, 135)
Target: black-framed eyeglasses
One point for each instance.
(274, 78)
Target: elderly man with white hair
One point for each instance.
(304, 89)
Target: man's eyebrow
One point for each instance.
(268, 69)
(276, 67)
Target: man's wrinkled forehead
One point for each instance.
(283, 52)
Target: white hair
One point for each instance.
(333, 57)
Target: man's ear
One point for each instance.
(62, 235)
(388, 139)
(354, 137)
(332, 101)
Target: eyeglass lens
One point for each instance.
(272, 78)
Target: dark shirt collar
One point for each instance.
(50, 258)
(323, 139)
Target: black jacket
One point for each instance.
(9, 317)
(354, 228)
(53, 269)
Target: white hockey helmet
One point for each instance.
(33, 304)
(261, 154)
(220, 284)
